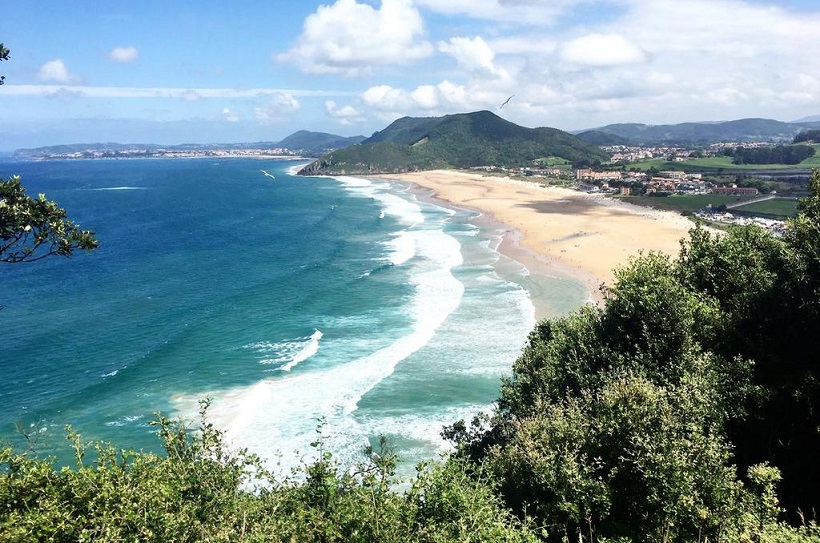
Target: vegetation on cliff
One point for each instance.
(673, 412)
(454, 141)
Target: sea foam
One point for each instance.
(278, 416)
(287, 353)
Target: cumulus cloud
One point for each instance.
(523, 44)
(346, 115)
(473, 54)
(278, 107)
(353, 39)
(445, 97)
(670, 67)
(601, 50)
(165, 92)
(56, 71)
(608, 61)
(229, 115)
(124, 54)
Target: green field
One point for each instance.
(688, 203)
(813, 162)
(778, 207)
(684, 203)
(553, 162)
(717, 162)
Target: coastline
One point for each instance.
(557, 230)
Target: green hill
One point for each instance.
(693, 133)
(454, 141)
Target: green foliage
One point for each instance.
(778, 154)
(633, 422)
(4, 55)
(686, 203)
(776, 208)
(807, 135)
(701, 134)
(33, 228)
(632, 459)
(191, 494)
(200, 490)
(454, 141)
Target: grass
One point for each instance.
(684, 203)
(553, 162)
(778, 207)
(718, 162)
(814, 161)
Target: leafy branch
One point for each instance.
(34, 228)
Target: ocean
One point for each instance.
(357, 308)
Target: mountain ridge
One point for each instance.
(461, 140)
(696, 133)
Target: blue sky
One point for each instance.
(207, 71)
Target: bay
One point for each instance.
(291, 302)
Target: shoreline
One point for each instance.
(557, 230)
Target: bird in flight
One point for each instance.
(507, 101)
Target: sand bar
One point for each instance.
(588, 235)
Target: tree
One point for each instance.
(4, 55)
(33, 228)
(682, 409)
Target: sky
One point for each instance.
(204, 71)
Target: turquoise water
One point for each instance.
(283, 299)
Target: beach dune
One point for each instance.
(588, 235)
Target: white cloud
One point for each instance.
(446, 97)
(523, 44)
(353, 39)
(56, 71)
(387, 98)
(191, 95)
(427, 97)
(162, 92)
(229, 115)
(654, 61)
(346, 115)
(601, 50)
(474, 54)
(278, 107)
(726, 96)
(124, 54)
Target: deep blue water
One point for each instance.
(285, 300)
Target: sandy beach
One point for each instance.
(585, 235)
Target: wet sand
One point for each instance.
(584, 235)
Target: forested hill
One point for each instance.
(696, 133)
(454, 141)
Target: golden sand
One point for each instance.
(589, 234)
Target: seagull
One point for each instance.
(267, 174)
(507, 101)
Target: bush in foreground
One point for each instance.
(200, 491)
